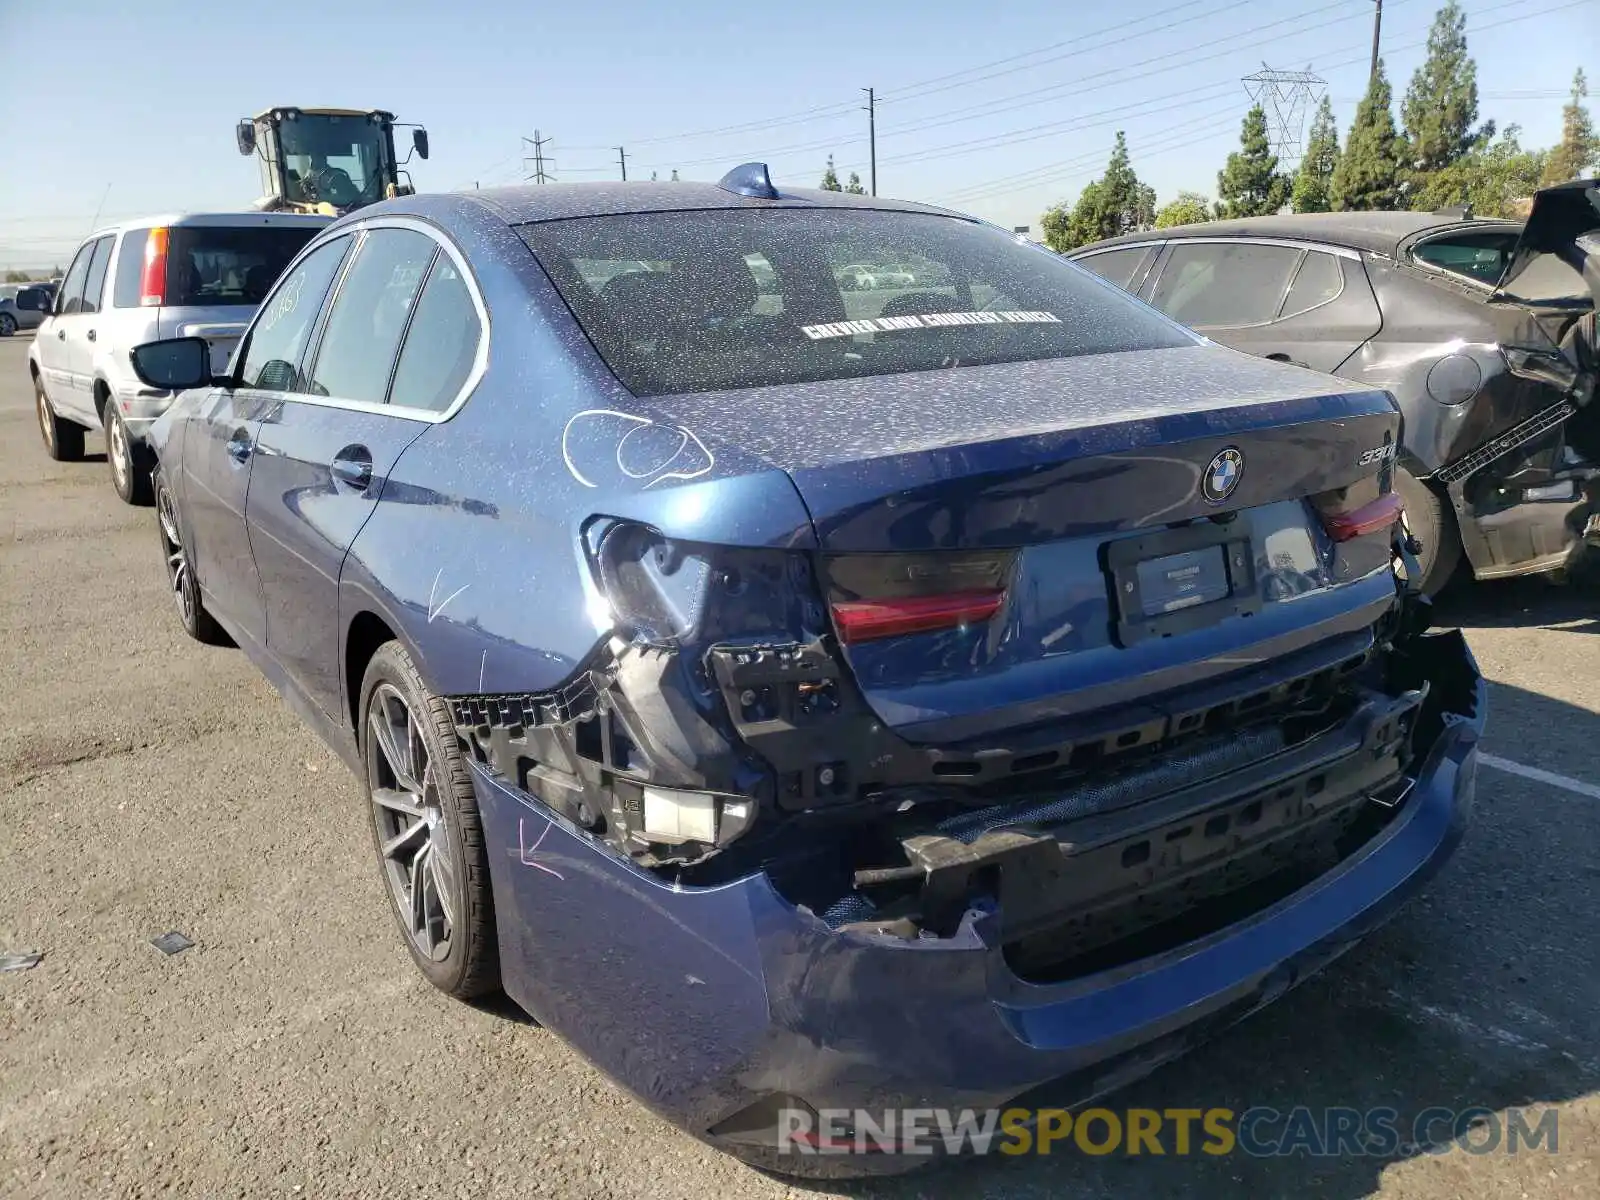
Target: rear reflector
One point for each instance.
(153, 279)
(1369, 518)
(864, 620)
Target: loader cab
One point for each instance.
(326, 161)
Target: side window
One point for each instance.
(278, 340)
(130, 269)
(1480, 256)
(369, 316)
(71, 298)
(1319, 280)
(1115, 266)
(95, 282)
(1224, 283)
(441, 344)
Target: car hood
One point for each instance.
(1564, 224)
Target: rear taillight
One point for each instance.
(153, 280)
(864, 620)
(1372, 517)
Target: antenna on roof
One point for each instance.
(749, 179)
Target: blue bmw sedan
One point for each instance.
(806, 687)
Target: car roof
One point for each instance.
(525, 204)
(1374, 232)
(243, 217)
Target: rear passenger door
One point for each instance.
(321, 466)
(1311, 306)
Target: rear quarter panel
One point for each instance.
(1426, 320)
(473, 555)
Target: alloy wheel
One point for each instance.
(118, 439)
(47, 424)
(8, 324)
(177, 561)
(413, 836)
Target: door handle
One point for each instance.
(240, 446)
(91, 335)
(352, 467)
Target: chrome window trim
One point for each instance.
(359, 230)
(1291, 243)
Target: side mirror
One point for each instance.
(245, 132)
(173, 364)
(419, 142)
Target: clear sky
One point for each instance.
(999, 109)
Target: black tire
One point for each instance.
(63, 440)
(8, 325)
(192, 614)
(1429, 519)
(465, 962)
(130, 471)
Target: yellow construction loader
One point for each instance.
(327, 160)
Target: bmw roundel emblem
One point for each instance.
(1222, 475)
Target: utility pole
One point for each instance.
(622, 161)
(540, 164)
(1285, 97)
(872, 137)
(1377, 27)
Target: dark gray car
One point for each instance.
(22, 306)
(1484, 331)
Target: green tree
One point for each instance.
(1579, 149)
(1492, 179)
(1190, 208)
(1313, 182)
(1367, 177)
(830, 178)
(1250, 185)
(1442, 102)
(854, 186)
(1114, 204)
(16, 277)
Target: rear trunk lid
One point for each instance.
(1556, 261)
(1013, 544)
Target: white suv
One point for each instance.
(198, 275)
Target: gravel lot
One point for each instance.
(152, 784)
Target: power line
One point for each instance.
(1049, 93)
(1067, 167)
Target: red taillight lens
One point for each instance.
(1372, 517)
(153, 280)
(864, 620)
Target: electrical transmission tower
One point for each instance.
(1286, 97)
(543, 165)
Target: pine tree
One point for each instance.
(1115, 204)
(854, 186)
(830, 178)
(1367, 177)
(1250, 185)
(1442, 102)
(1313, 182)
(1579, 149)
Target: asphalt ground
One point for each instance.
(152, 784)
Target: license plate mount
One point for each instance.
(1179, 580)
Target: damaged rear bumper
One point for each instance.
(718, 1006)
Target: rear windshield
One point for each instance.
(702, 301)
(223, 264)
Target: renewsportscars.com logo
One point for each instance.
(1259, 1132)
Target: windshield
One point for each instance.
(731, 298)
(343, 161)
